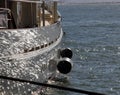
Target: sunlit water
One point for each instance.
(93, 33)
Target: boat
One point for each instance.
(30, 38)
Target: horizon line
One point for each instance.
(89, 2)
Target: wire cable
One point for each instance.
(51, 86)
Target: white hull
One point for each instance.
(20, 61)
(30, 38)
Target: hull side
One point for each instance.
(25, 54)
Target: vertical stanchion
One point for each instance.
(43, 12)
(55, 11)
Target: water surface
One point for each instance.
(93, 33)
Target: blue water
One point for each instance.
(92, 31)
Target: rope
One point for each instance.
(51, 86)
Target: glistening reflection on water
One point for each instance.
(92, 32)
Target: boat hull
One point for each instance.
(25, 54)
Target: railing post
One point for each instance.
(55, 11)
(5, 3)
(43, 12)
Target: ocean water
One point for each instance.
(92, 31)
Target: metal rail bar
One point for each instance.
(51, 86)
